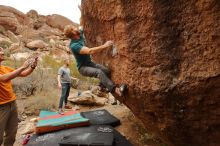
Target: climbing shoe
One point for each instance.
(123, 89)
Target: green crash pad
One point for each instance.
(52, 121)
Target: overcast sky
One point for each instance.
(67, 8)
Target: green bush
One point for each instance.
(5, 44)
(39, 81)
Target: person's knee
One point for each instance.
(100, 73)
(106, 70)
(63, 94)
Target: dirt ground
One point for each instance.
(130, 126)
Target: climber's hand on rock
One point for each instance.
(108, 43)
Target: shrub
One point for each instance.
(39, 81)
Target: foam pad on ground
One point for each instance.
(53, 139)
(88, 139)
(52, 121)
(101, 117)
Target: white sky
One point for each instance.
(67, 8)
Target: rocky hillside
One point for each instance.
(21, 32)
(169, 55)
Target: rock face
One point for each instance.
(169, 55)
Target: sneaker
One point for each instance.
(60, 111)
(67, 107)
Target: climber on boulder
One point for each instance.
(85, 65)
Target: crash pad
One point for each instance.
(52, 121)
(89, 139)
(54, 138)
(101, 117)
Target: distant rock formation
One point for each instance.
(12, 19)
(168, 52)
(58, 21)
(32, 30)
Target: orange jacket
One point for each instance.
(6, 91)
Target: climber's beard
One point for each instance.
(76, 35)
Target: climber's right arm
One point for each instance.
(86, 50)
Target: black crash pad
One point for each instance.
(53, 139)
(88, 139)
(101, 117)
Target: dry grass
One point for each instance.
(33, 104)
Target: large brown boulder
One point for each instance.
(46, 30)
(87, 98)
(36, 20)
(36, 44)
(12, 19)
(169, 55)
(58, 21)
(12, 36)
